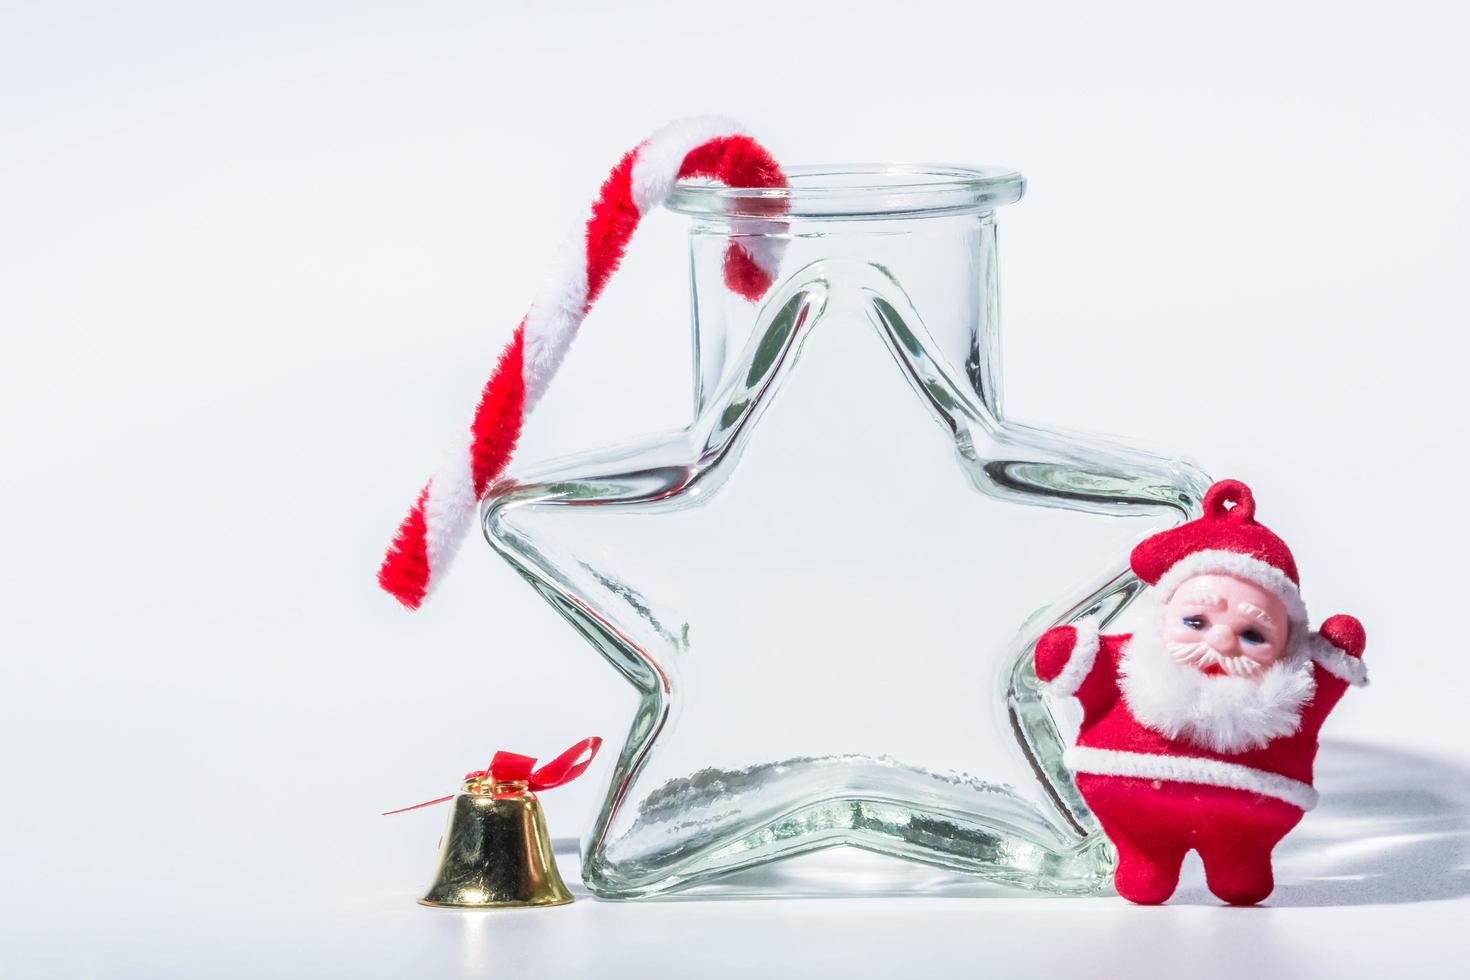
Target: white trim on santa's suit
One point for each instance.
(1189, 769)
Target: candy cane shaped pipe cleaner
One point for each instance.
(703, 147)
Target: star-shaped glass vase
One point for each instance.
(825, 589)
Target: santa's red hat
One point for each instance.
(1226, 540)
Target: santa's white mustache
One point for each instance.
(1201, 655)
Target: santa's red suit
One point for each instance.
(1160, 786)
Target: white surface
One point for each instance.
(255, 261)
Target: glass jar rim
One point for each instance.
(855, 190)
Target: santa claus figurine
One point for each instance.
(1198, 732)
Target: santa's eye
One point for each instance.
(1194, 622)
(1253, 636)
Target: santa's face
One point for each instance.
(1220, 670)
(1223, 625)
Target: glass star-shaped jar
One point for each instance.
(826, 587)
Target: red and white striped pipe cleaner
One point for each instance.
(702, 147)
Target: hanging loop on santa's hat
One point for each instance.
(1225, 540)
(1231, 500)
(707, 148)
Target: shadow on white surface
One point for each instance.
(1393, 827)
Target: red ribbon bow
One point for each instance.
(508, 767)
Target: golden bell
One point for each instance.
(496, 853)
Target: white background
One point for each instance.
(256, 260)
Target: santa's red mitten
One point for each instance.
(1345, 633)
(1053, 651)
(1338, 649)
(1065, 656)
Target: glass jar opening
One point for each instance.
(862, 190)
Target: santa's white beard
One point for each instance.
(1221, 713)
